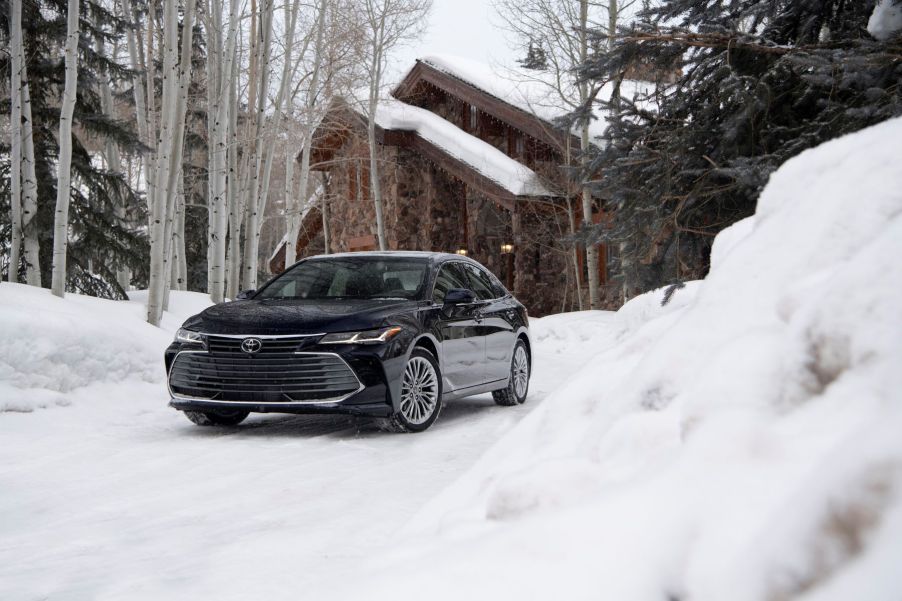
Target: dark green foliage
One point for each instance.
(98, 243)
(535, 58)
(756, 83)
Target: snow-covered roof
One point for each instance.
(532, 91)
(482, 157)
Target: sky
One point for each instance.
(468, 28)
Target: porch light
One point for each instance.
(461, 251)
(507, 248)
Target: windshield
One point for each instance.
(350, 277)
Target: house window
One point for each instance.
(520, 145)
(474, 118)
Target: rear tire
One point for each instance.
(225, 417)
(518, 386)
(421, 394)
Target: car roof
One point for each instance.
(433, 257)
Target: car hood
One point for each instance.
(280, 316)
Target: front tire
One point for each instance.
(421, 394)
(226, 417)
(518, 385)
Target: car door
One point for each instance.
(463, 346)
(494, 322)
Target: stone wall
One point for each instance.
(424, 208)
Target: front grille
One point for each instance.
(231, 347)
(277, 373)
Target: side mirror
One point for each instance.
(245, 294)
(459, 296)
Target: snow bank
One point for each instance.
(741, 442)
(51, 348)
(481, 156)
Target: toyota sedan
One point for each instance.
(390, 335)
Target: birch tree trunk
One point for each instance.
(112, 156)
(327, 234)
(179, 268)
(234, 193)
(213, 27)
(176, 78)
(136, 59)
(386, 24)
(67, 108)
(375, 85)
(252, 205)
(248, 161)
(158, 242)
(291, 208)
(219, 86)
(31, 250)
(591, 249)
(17, 57)
(252, 244)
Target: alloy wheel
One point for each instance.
(419, 391)
(520, 372)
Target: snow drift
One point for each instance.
(52, 347)
(742, 442)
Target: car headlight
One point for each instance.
(364, 337)
(188, 336)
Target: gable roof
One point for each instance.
(478, 155)
(466, 157)
(523, 98)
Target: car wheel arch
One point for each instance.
(423, 340)
(430, 344)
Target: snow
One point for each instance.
(531, 91)
(886, 20)
(53, 347)
(481, 156)
(740, 442)
(116, 496)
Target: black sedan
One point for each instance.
(383, 334)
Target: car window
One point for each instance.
(450, 276)
(498, 287)
(480, 282)
(350, 277)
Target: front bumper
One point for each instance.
(375, 368)
(377, 409)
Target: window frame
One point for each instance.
(435, 279)
(496, 283)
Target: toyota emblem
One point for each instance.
(251, 345)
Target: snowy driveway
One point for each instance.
(119, 497)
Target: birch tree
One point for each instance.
(31, 246)
(385, 24)
(562, 28)
(219, 118)
(265, 143)
(252, 198)
(17, 56)
(137, 60)
(67, 109)
(309, 121)
(176, 80)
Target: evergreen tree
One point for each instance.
(99, 244)
(535, 58)
(756, 82)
